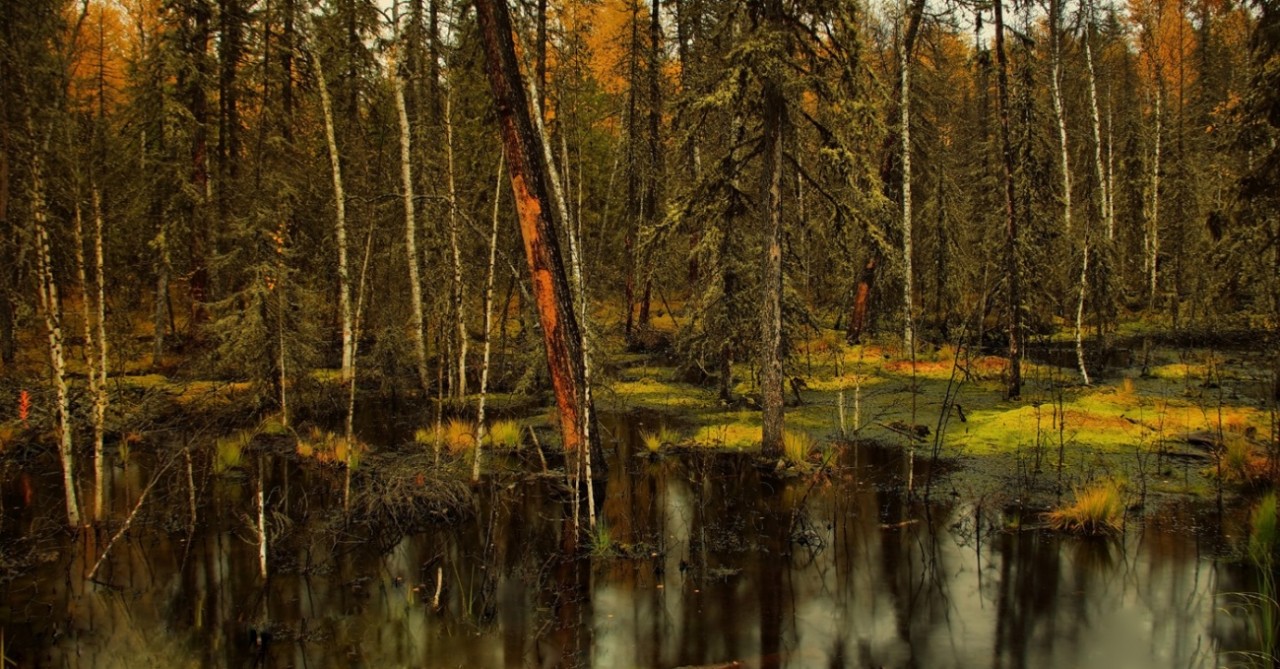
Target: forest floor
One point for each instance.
(1167, 421)
(1158, 418)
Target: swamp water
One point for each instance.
(705, 560)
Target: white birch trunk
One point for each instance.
(460, 390)
(410, 229)
(340, 228)
(1084, 285)
(52, 307)
(488, 319)
(89, 349)
(1153, 216)
(1103, 181)
(1060, 115)
(908, 330)
(100, 398)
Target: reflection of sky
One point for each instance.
(865, 591)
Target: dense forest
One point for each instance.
(308, 209)
(255, 191)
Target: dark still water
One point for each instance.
(708, 562)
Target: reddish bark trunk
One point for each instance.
(528, 171)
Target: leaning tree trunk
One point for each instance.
(528, 170)
(410, 232)
(1013, 282)
(51, 305)
(340, 227)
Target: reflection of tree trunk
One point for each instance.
(528, 170)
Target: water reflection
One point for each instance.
(723, 562)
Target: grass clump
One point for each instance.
(457, 435)
(505, 434)
(655, 440)
(1264, 531)
(1097, 510)
(602, 541)
(797, 445)
(330, 448)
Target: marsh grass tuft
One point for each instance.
(797, 445)
(330, 448)
(505, 434)
(1097, 510)
(602, 541)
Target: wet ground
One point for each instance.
(701, 559)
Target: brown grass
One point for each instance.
(1097, 510)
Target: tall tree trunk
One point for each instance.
(1152, 241)
(340, 226)
(481, 429)
(100, 397)
(1013, 281)
(89, 347)
(410, 232)
(774, 121)
(51, 305)
(8, 281)
(655, 176)
(459, 311)
(908, 311)
(577, 290)
(1064, 153)
(528, 170)
(199, 179)
(1084, 287)
(890, 185)
(633, 174)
